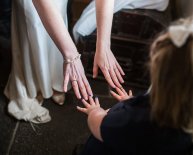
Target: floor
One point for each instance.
(67, 128)
(58, 137)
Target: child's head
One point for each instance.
(171, 66)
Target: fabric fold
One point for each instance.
(87, 22)
(37, 64)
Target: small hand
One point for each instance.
(122, 94)
(112, 71)
(75, 73)
(92, 105)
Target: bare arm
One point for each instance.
(104, 58)
(95, 116)
(94, 122)
(54, 24)
(104, 14)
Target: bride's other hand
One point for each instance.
(104, 58)
(112, 71)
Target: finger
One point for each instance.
(120, 92)
(74, 78)
(84, 110)
(108, 77)
(97, 101)
(87, 85)
(130, 93)
(91, 100)
(66, 80)
(95, 71)
(123, 90)
(107, 110)
(86, 104)
(120, 69)
(118, 75)
(114, 77)
(115, 95)
(76, 89)
(66, 77)
(82, 89)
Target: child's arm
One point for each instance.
(122, 94)
(95, 116)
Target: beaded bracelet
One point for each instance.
(68, 61)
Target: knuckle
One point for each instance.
(107, 76)
(87, 85)
(81, 87)
(74, 85)
(102, 68)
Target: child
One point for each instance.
(159, 122)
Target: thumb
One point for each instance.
(95, 71)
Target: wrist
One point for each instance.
(70, 54)
(103, 45)
(72, 60)
(95, 114)
(95, 111)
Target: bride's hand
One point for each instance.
(105, 60)
(74, 72)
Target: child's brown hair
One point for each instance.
(171, 92)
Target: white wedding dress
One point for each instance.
(87, 22)
(37, 65)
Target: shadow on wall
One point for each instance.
(5, 42)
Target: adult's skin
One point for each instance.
(56, 28)
(104, 59)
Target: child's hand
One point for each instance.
(122, 94)
(89, 106)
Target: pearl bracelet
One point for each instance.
(68, 61)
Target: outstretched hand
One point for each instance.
(75, 73)
(112, 71)
(122, 94)
(89, 106)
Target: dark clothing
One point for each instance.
(128, 130)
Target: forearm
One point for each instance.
(54, 24)
(104, 14)
(94, 122)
